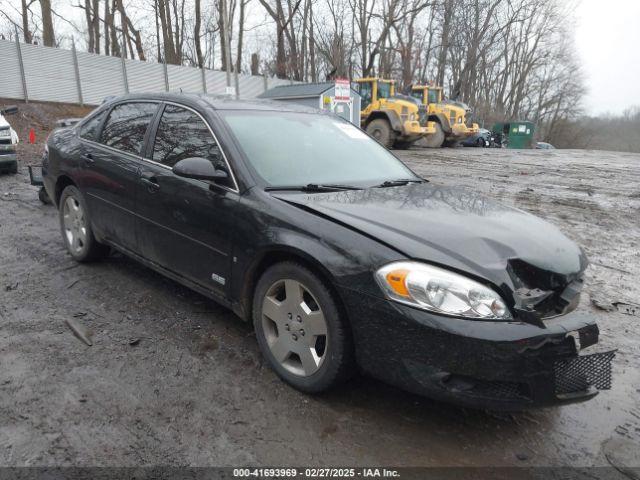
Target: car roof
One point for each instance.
(217, 102)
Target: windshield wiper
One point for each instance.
(312, 187)
(400, 182)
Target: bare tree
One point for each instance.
(48, 35)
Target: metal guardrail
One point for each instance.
(33, 72)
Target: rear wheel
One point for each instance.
(300, 328)
(435, 140)
(75, 226)
(380, 129)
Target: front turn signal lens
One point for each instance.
(396, 280)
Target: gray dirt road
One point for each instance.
(193, 390)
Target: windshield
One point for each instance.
(384, 89)
(433, 95)
(291, 149)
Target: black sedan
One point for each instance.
(340, 255)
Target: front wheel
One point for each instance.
(434, 140)
(75, 226)
(380, 129)
(300, 328)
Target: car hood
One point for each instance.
(463, 230)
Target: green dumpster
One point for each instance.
(517, 134)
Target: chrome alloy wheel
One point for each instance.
(75, 227)
(294, 327)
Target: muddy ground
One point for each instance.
(174, 379)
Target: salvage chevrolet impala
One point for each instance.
(340, 255)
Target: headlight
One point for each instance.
(441, 291)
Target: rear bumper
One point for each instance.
(8, 161)
(490, 365)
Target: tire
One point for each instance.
(43, 196)
(301, 329)
(14, 168)
(435, 140)
(380, 129)
(75, 227)
(480, 142)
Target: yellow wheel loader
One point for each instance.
(395, 121)
(449, 116)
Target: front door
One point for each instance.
(109, 173)
(184, 225)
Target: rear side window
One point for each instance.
(90, 130)
(182, 134)
(126, 126)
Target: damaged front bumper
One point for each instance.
(480, 364)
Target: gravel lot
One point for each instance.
(174, 379)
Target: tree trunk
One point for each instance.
(107, 49)
(243, 4)
(196, 35)
(28, 37)
(255, 64)
(87, 15)
(312, 48)
(444, 43)
(48, 35)
(95, 25)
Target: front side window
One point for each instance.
(384, 89)
(90, 130)
(126, 126)
(433, 96)
(292, 149)
(417, 94)
(364, 89)
(183, 134)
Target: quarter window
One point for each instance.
(90, 130)
(183, 134)
(126, 126)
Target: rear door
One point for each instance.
(185, 225)
(108, 174)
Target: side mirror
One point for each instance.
(199, 168)
(9, 110)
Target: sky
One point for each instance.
(608, 41)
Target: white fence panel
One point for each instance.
(185, 79)
(10, 79)
(250, 86)
(216, 82)
(276, 82)
(50, 73)
(51, 76)
(100, 77)
(145, 77)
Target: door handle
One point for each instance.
(151, 183)
(88, 159)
